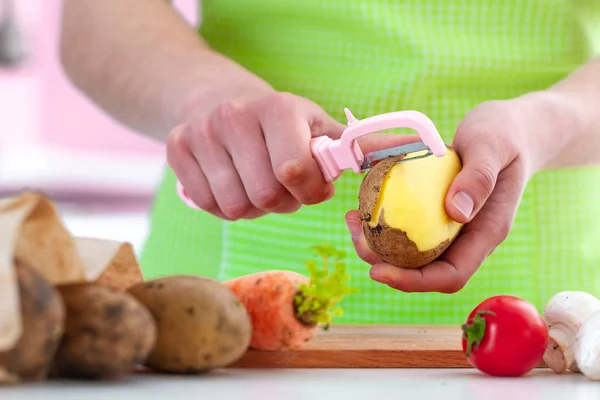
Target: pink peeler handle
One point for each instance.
(335, 156)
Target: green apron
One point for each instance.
(441, 57)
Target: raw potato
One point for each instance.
(410, 227)
(108, 333)
(43, 318)
(201, 323)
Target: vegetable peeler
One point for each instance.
(336, 155)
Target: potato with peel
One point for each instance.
(43, 319)
(107, 333)
(201, 324)
(402, 208)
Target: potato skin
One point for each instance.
(394, 247)
(390, 244)
(43, 318)
(108, 333)
(201, 323)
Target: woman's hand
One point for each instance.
(251, 156)
(501, 144)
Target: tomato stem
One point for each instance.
(474, 331)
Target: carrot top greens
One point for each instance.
(317, 301)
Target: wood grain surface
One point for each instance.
(369, 346)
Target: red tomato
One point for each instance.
(504, 336)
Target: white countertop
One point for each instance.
(312, 384)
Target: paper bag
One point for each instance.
(41, 239)
(109, 262)
(31, 232)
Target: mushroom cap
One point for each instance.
(570, 308)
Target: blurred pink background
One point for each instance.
(53, 138)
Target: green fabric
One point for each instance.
(441, 57)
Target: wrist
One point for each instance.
(555, 120)
(219, 79)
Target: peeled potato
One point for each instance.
(201, 323)
(402, 210)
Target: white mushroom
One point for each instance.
(564, 314)
(587, 347)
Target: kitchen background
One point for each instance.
(53, 139)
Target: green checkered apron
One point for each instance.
(441, 57)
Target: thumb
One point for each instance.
(323, 124)
(379, 141)
(367, 143)
(474, 184)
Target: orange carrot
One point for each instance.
(286, 307)
(269, 298)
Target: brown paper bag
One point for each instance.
(31, 232)
(42, 240)
(109, 262)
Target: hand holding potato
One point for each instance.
(501, 145)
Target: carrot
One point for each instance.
(286, 307)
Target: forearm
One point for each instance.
(150, 72)
(575, 121)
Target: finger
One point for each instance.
(240, 130)
(483, 157)
(188, 171)
(439, 276)
(460, 261)
(287, 133)
(358, 238)
(222, 176)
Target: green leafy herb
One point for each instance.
(317, 301)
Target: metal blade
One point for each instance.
(379, 155)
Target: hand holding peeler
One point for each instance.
(336, 155)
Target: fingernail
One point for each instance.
(464, 203)
(354, 229)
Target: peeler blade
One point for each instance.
(376, 156)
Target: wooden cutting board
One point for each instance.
(369, 346)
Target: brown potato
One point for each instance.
(43, 317)
(108, 333)
(201, 324)
(412, 227)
